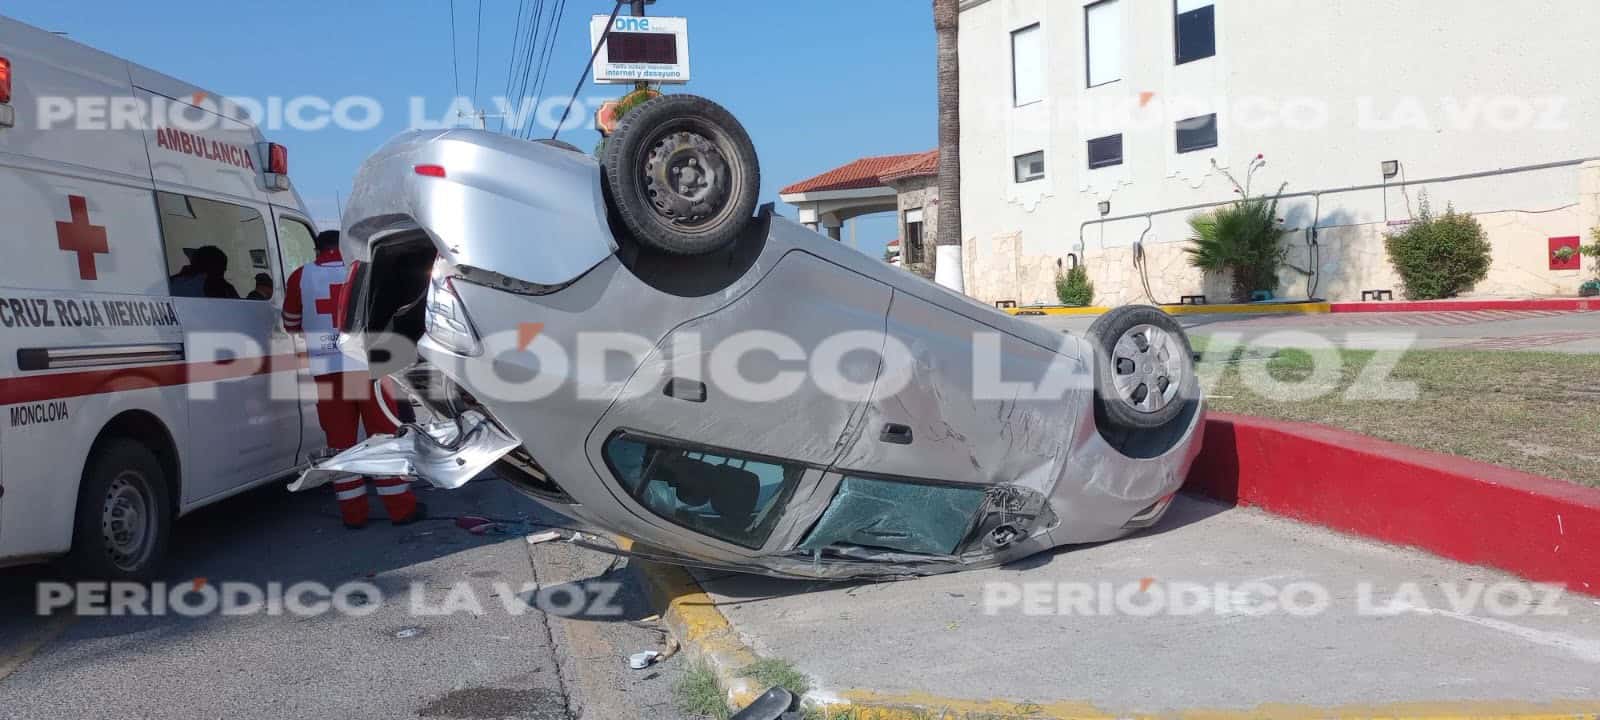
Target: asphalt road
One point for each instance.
(494, 654)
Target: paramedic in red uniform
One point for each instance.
(345, 392)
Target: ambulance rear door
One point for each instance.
(296, 247)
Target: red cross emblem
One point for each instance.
(82, 238)
(330, 304)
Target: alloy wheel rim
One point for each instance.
(1147, 368)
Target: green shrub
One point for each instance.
(1439, 256)
(1240, 239)
(1593, 249)
(1074, 287)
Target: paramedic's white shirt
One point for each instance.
(317, 283)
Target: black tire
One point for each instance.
(1122, 404)
(124, 474)
(658, 141)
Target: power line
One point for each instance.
(538, 91)
(529, 48)
(477, 61)
(536, 52)
(601, 43)
(511, 64)
(455, 71)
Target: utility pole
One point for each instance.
(638, 11)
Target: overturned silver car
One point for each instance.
(631, 342)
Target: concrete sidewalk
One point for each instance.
(1016, 639)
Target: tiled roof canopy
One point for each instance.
(867, 172)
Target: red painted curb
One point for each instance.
(1567, 304)
(1536, 527)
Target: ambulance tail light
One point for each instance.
(275, 164)
(8, 116)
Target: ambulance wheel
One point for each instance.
(1143, 370)
(124, 515)
(682, 174)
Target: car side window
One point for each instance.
(724, 494)
(214, 249)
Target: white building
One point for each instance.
(1090, 126)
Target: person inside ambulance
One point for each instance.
(205, 275)
(347, 397)
(263, 289)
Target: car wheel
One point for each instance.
(1144, 368)
(682, 174)
(124, 517)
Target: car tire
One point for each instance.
(124, 516)
(682, 175)
(1143, 370)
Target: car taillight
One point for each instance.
(446, 318)
(430, 170)
(277, 159)
(5, 81)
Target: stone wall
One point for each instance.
(915, 193)
(1352, 258)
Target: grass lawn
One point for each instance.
(1536, 412)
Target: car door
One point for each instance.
(729, 403)
(215, 251)
(959, 408)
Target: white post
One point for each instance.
(947, 268)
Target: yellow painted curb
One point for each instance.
(1057, 310)
(705, 633)
(702, 630)
(1223, 309)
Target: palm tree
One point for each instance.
(947, 261)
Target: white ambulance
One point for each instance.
(144, 371)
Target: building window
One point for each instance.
(213, 248)
(1027, 65)
(1195, 29)
(913, 237)
(1029, 167)
(1105, 151)
(1197, 133)
(1102, 41)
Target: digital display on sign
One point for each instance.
(629, 47)
(640, 49)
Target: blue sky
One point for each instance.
(817, 83)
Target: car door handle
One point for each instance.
(690, 390)
(896, 433)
